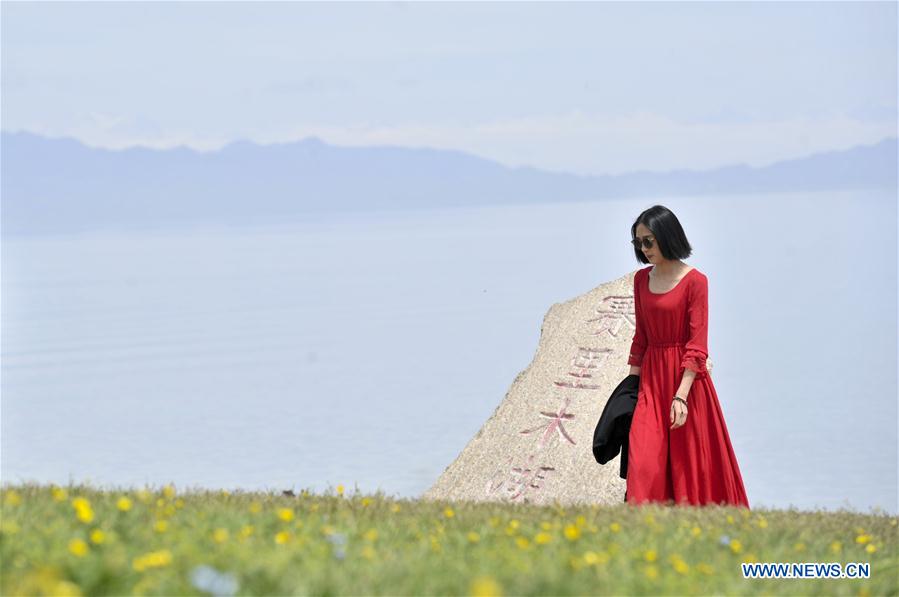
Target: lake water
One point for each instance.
(367, 349)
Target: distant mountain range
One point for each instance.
(60, 185)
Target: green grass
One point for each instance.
(78, 540)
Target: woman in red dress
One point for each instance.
(679, 450)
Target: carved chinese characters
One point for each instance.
(536, 447)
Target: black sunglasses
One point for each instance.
(647, 241)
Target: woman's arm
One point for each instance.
(638, 342)
(684, 389)
(697, 352)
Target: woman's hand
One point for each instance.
(678, 414)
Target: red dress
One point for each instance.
(693, 464)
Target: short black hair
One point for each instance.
(666, 229)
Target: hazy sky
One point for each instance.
(588, 87)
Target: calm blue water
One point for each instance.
(367, 349)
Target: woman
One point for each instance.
(678, 448)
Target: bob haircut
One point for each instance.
(666, 229)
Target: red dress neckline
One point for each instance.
(684, 277)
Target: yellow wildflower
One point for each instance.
(836, 547)
(679, 565)
(542, 538)
(12, 498)
(366, 501)
(522, 542)
(340, 490)
(863, 538)
(572, 532)
(59, 494)
(78, 547)
(220, 535)
(153, 559)
(736, 546)
(285, 514)
(650, 555)
(473, 537)
(161, 526)
(124, 504)
(97, 536)
(615, 527)
(705, 569)
(83, 509)
(169, 491)
(282, 537)
(371, 534)
(870, 548)
(255, 507)
(448, 512)
(485, 586)
(65, 588)
(696, 531)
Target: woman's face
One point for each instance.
(652, 255)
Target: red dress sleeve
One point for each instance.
(638, 343)
(697, 350)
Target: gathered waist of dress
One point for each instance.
(666, 344)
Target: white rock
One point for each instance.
(537, 446)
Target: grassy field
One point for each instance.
(76, 540)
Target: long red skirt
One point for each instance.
(692, 464)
